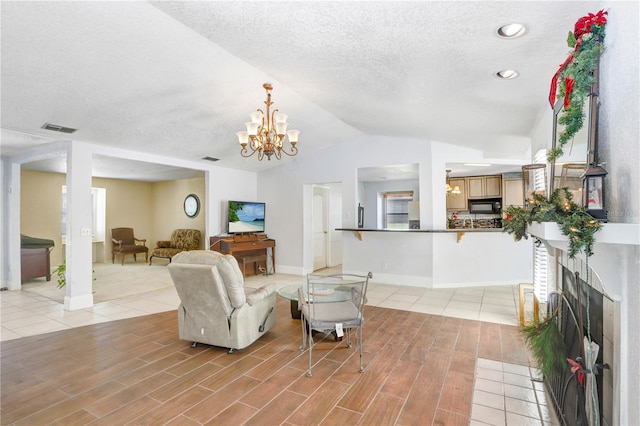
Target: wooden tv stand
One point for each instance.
(251, 251)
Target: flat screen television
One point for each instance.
(245, 217)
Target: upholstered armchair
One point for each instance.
(181, 240)
(123, 242)
(215, 306)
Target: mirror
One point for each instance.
(389, 196)
(575, 152)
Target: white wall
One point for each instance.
(288, 206)
(223, 185)
(619, 124)
(335, 221)
(619, 147)
(406, 258)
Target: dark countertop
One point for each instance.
(422, 230)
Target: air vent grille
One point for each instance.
(210, 158)
(56, 128)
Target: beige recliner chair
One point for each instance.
(216, 308)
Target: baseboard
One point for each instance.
(78, 302)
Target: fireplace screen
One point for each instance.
(581, 310)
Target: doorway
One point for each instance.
(319, 227)
(326, 217)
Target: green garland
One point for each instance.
(543, 337)
(574, 221)
(581, 69)
(547, 345)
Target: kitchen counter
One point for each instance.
(482, 223)
(437, 258)
(459, 231)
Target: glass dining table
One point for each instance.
(322, 295)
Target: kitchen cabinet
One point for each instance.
(512, 193)
(457, 202)
(484, 187)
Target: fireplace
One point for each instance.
(584, 310)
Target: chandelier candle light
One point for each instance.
(266, 133)
(453, 190)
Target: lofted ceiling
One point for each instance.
(178, 79)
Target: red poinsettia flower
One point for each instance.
(508, 218)
(584, 24)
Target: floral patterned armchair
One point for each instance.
(181, 240)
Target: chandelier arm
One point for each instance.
(244, 151)
(262, 125)
(272, 121)
(256, 142)
(294, 150)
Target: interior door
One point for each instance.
(319, 228)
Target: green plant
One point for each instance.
(547, 345)
(61, 274)
(451, 222)
(574, 221)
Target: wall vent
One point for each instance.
(210, 158)
(56, 128)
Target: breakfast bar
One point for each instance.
(438, 258)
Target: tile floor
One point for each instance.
(504, 394)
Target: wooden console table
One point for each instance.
(248, 250)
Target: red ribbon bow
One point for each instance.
(577, 368)
(582, 27)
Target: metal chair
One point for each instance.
(333, 303)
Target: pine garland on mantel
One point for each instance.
(574, 221)
(576, 76)
(543, 337)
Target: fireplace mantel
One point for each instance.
(611, 233)
(617, 248)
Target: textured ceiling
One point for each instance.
(180, 78)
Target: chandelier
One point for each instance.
(266, 133)
(451, 190)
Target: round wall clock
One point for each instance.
(192, 205)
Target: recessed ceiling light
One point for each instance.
(511, 31)
(507, 74)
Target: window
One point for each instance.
(98, 202)
(396, 209)
(539, 251)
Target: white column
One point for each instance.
(10, 273)
(79, 207)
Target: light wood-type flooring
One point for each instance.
(420, 369)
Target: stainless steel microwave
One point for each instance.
(485, 206)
